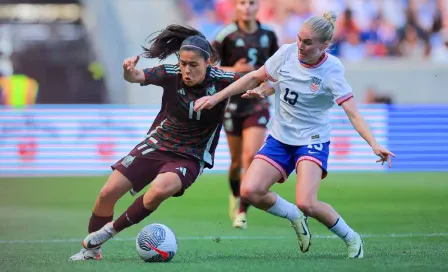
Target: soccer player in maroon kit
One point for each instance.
(180, 142)
(243, 46)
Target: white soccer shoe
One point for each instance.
(355, 247)
(300, 226)
(240, 221)
(87, 254)
(97, 238)
(234, 203)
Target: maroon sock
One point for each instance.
(235, 187)
(243, 207)
(97, 222)
(133, 215)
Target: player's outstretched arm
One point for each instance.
(130, 73)
(363, 129)
(248, 81)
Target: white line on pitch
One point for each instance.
(195, 238)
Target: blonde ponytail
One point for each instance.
(323, 25)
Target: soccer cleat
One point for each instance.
(97, 238)
(300, 226)
(87, 254)
(240, 221)
(234, 203)
(355, 247)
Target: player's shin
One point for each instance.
(285, 209)
(133, 215)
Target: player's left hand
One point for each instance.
(384, 154)
(205, 102)
(255, 93)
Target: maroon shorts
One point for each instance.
(143, 164)
(236, 125)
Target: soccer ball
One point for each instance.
(156, 243)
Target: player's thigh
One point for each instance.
(260, 176)
(186, 171)
(311, 168)
(309, 176)
(253, 139)
(115, 187)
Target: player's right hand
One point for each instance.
(205, 102)
(130, 63)
(241, 66)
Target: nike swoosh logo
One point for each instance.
(312, 152)
(304, 229)
(164, 254)
(90, 246)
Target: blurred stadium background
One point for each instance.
(62, 92)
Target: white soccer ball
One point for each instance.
(156, 243)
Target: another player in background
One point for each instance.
(307, 83)
(244, 46)
(180, 142)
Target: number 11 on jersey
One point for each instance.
(191, 112)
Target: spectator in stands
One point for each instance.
(374, 97)
(380, 37)
(440, 53)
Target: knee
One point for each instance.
(154, 197)
(107, 195)
(307, 207)
(251, 194)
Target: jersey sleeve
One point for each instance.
(219, 48)
(157, 75)
(273, 64)
(222, 44)
(338, 85)
(233, 77)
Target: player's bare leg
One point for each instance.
(235, 148)
(260, 176)
(309, 175)
(253, 139)
(114, 188)
(164, 186)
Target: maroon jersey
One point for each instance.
(233, 44)
(177, 127)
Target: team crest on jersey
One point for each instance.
(264, 41)
(211, 90)
(315, 84)
(126, 162)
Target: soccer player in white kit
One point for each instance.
(307, 82)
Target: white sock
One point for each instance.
(341, 229)
(285, 209)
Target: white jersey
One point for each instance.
(303, 96)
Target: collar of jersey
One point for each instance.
(258, 29)
(319, 63)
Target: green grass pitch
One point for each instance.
(403, 217)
